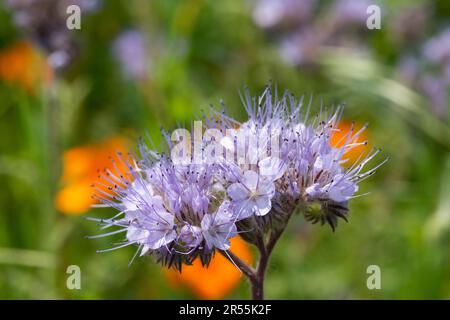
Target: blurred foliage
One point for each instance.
(198, 53)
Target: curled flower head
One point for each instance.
(292, 163)
(169, 210)
(280, 161)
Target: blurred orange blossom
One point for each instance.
(338, 138)
(24, 65)
(80, 169)
(218, 279)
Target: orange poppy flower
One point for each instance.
(218, 279)
(23, 64)
(80, 170)
(338, 139)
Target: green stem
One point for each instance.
(265, 251)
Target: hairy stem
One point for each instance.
(256, 276)
(265, 250)
(242, 266)
(258, 283)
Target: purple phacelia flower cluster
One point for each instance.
(280, 161)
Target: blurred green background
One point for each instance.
(69, 98)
